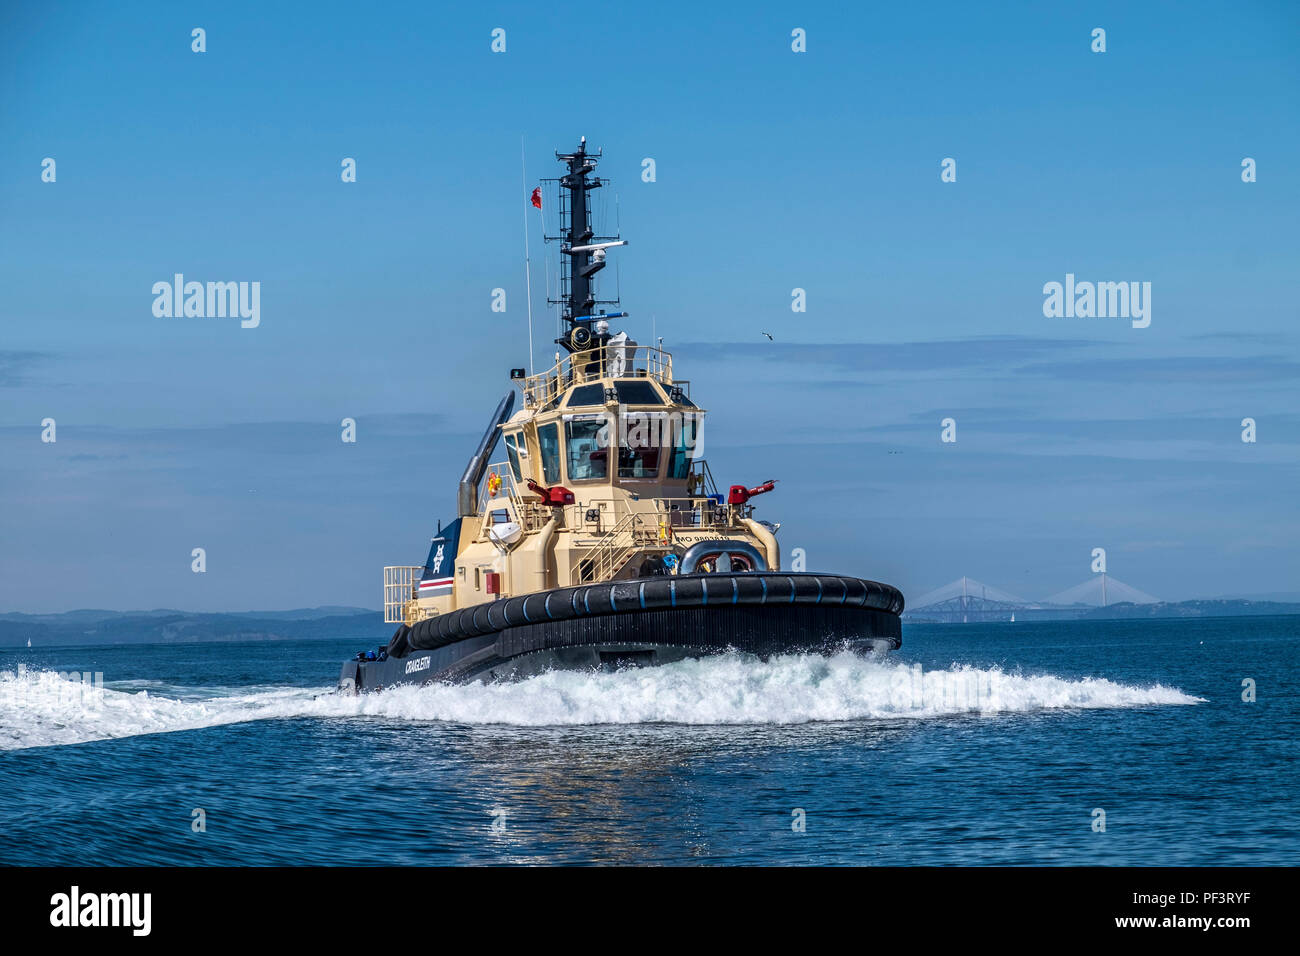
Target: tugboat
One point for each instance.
(602, 540)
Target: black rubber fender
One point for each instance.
(397, 646)
(612, 598)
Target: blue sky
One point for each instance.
(775, 170)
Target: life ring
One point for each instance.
(494, 484)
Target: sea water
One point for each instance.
(1031, 743)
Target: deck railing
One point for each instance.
(651, 531)
(579, 368)
(530, 513)
(400, 587)
(615, 547)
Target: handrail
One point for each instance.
(616, 559)
(401, 586)
(603, 556)
(606, 544)
(509, 487)
(695, 513)
(699, 511)
(530, 513)
(710, 486)
(579, 368)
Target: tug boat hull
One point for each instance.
(638, 622)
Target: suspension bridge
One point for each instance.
(966, 600)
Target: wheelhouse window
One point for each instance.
(548, 443)
(637, 392)
(587, 395)
(515, 448)
(685, 429)
(643, 436)
(586, 439)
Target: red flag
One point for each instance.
(537, 197)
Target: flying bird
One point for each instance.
(769, 336)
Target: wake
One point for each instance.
(43, 708)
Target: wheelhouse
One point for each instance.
(584, 430)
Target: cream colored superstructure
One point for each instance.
(640, 488)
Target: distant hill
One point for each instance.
(1281, 597)
(1219, 607)
(186, 627)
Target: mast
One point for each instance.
(582, 252)
(528, 268)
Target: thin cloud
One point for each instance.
(1184, 368)
(942, 355)
(16, 366)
